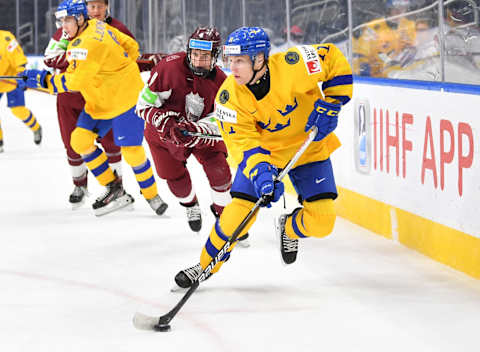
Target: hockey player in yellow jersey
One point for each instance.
(265, 110)
(385, 44)
(12, 62)
(102, 67)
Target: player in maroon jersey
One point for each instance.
(179, 96)
(70, 105)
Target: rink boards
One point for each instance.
(408, 168)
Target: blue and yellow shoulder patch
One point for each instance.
(292, 57)
(224, 96)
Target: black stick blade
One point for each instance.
(161, 327)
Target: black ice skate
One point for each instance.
(158, 205)
(194, 217)
(77, 198)
(288, 247)
(243, 240)
(37, 136)
(186, 277)
(113, 199)
(1, 146)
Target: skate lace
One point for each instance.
(193, 272)
(105, 193)
(194, 213)
(289, 245)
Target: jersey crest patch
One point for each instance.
(76, 42)
(311, 59)
(225, 114)
(224, 96)
(194, 105)
(292, 57)
(77, 54)
(7, 38)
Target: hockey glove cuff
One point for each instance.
(35, 78)
(325, 117)
(263, 178)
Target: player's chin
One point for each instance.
(239, 79)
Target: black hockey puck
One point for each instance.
(161, 327)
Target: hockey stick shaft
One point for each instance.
(43, 90)
(215, 137)
(165, 319)
(14, 77)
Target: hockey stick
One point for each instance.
(215, 137)
(145, 322)
(42, 90)
(14, 77)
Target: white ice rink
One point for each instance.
(72, 282)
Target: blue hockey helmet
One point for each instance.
(247, 41)
(73, 8)
(398, 3)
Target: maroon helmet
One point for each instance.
(208, 39)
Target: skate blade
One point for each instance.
(117, 204)
(175, 288)
(244, 243)
(78, 205)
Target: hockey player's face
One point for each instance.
(97, 10)
(201, 58)
(241, 67)
(70, 26)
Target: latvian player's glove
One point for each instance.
(58, 62)
(182, 134)
(163, 128)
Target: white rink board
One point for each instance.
(456, 204)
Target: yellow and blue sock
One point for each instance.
(224, 227)
(135, 156)
(97, 163)
(27, 117)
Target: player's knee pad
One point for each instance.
(82, 141)
(315, 219)
(21, 112)
(134, 155)
(233, 214)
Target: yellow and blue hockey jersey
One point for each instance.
(12, 60)
(272, 129)
(102, 67)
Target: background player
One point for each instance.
(71, 104)
(12, 62)
(178, 96)
(103, 69)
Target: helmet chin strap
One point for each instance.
(255, 71)
(85, 24)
